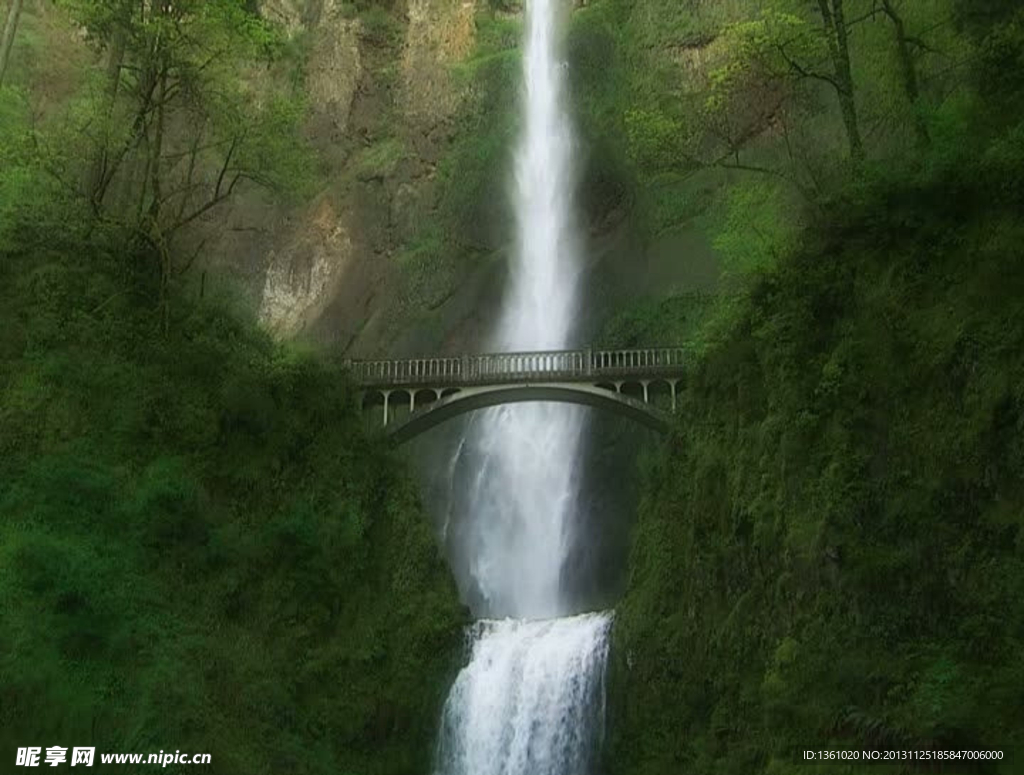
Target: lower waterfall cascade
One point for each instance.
(531, 701)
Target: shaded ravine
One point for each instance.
(531, 699)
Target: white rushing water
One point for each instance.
(523, 495)
(531, 699)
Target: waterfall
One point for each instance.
(530, 701)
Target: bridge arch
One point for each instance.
(473, 398)
(628, 382)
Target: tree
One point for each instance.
(750, 89)
(118, 39)
(908, 70)
(768, 64)
(186, 117)
(7, 41)
(833, 17)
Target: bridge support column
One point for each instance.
(672, 384)
(412, 400)
(618, 387)
(647, 396)
(387, 395)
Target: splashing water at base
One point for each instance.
(531, 701)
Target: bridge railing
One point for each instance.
(519, 366)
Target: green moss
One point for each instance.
(473, 170)
(630, 107)
(662, 323)
(496, 32)
(471, 219)
(429, 274)
(379, 26)
(379, 160)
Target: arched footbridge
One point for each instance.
(417, 394)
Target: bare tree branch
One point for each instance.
(218, 198)
(804, 73)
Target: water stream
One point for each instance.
(531, 699)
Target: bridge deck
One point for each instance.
(553, 366)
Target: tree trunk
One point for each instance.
(96, 185)
(909, 73)
(7, 42)
(836, 34)
(157, 150)
(153, 217)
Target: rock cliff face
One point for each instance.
(307, 271)
(440, 34)
(383, 103)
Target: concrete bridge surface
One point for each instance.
(628, 382)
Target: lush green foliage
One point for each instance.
(830, 551)
(178, 108)
(685, 106)
(200, 547)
